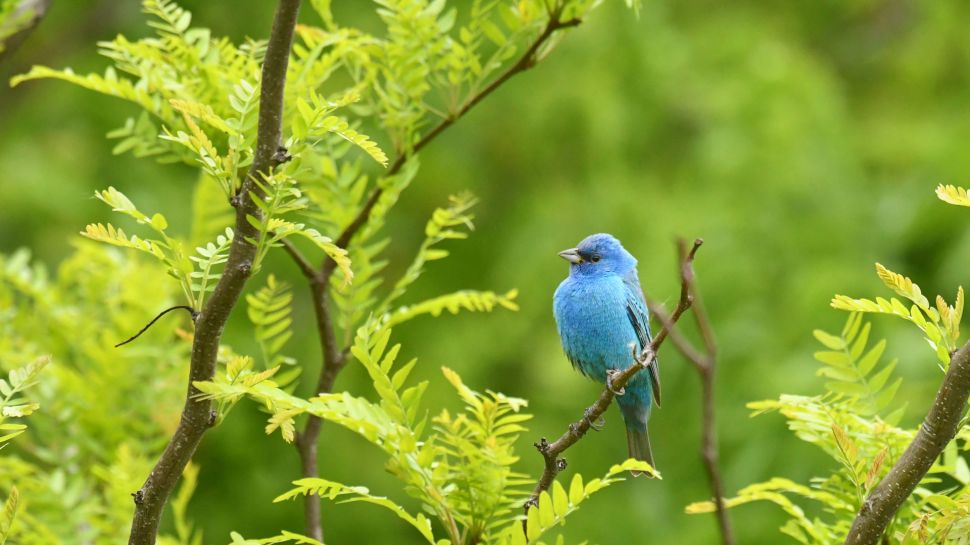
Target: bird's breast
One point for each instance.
(593, 324)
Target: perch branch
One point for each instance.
(335, 359)
(196, 414)
(938, 429)
(704, 362)
(551, 451)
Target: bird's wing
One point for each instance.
(636, 311)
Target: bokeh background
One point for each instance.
(802, 141)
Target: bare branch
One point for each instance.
(704, 363)
(301, 261)
(938, 429)
(551, 451)
(334, 361)
(196, 414)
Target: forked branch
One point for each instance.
(704, 362)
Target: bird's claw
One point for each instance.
(610, 375)
(644, 358)
(595, 425)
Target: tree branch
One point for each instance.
(551, 451)
(938, 429)
(704, 362)
(334, 359)
(307, 268)
(196, 414)
(24, 19)
(525, 62)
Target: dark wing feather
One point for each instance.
(636, 311)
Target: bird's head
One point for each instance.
(599, 254)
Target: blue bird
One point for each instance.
(600, 312)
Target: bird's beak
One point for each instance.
(571, 255)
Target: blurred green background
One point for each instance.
(801, 140)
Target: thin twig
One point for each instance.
(551, 451)
(197, 413)
(334, 359)
(704, 363)
(938, 429)
(192, 312)
(307, 268)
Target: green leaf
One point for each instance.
(332, 490)
(9, 513)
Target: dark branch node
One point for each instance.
(138, 497)
(282, 155)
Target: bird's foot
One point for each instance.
(595, 425)
(644, 358)
(610, 375)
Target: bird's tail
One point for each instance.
(638, 442)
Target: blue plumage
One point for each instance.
(600, 312)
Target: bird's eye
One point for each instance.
(595, 258)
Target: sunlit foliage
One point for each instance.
(855, 421)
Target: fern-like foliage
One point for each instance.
(10, 506)
(855, 423)
(553, 507)
(14, 405)
(12, 402)
(854, 368)
(442, 226)
(314, 121)
(166, 249)
(96, 418)
(953, 195)
(200, 94)
(270, 312)
(283, 537)
(461, 470)
(333, 490)
(197, 274)
(211, 257)
(281, 196)
(940, 323)
(470, 300)
(849, 422)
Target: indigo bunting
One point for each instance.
(600, 312)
